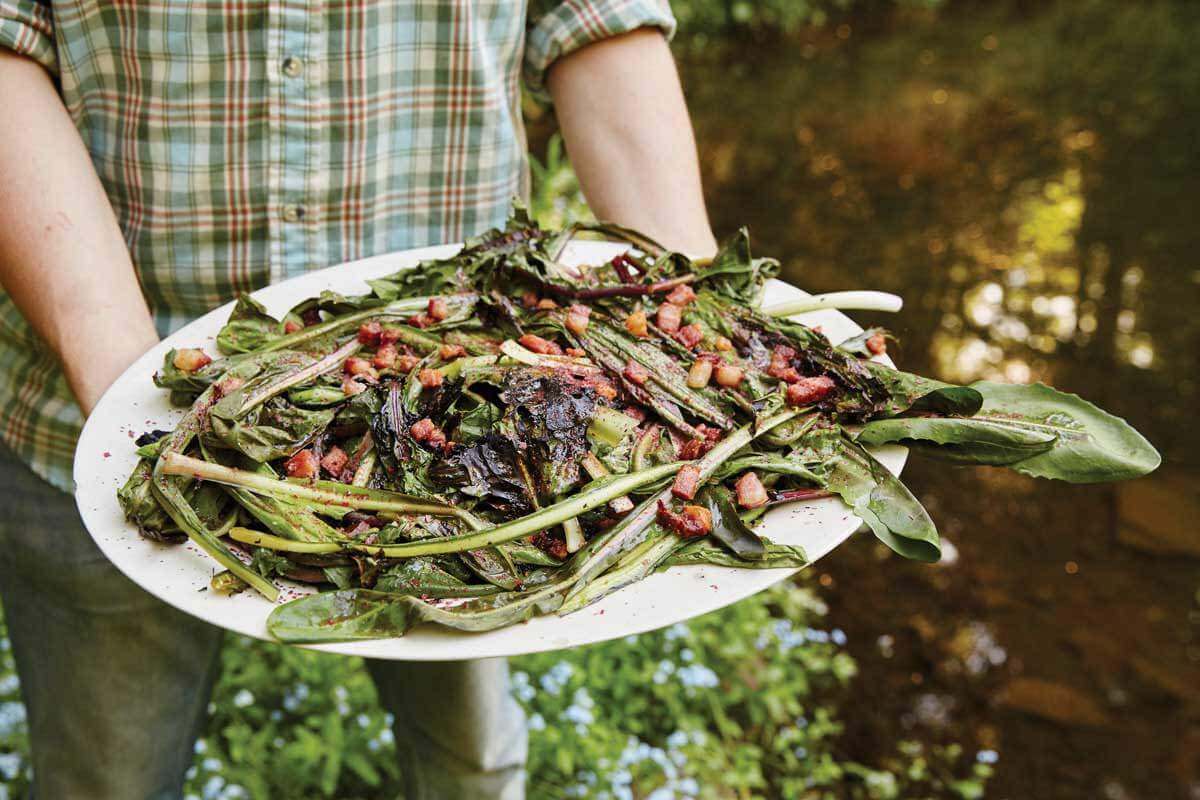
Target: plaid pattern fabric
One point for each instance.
(241, 143)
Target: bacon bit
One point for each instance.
(539, 345)
(877, 344)
(787, 374)
(389, 336)
(635, 323)
(669, 317)
(421, 320)
(729, 375)
(358, 366)
(429, 378)
(351, 387)
(291, 326)
(369, 333)
(335, 460)
(700, 373)
(604, 388)
(190, 359)
(385, 356)
(693, 449)
(635, 412)
(687, 481)
(635, 372)
(529, 300)
(228, 386)
(302, 465)
(452, 351)
(553, 545)
(690, 335)
(577, 323)
(438, 310)
(781, 364)
(428, 433)
(406, 363)
(723, 344)
(681, 295)
(691, 522)
(575, 352)
(546, 304)
(422, 429)
(750, 491)
(807, 391)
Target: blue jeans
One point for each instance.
(116, 683)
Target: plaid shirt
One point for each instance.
(248, 142)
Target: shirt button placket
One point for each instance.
(295, 75)
(292, 67)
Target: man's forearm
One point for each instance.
(62, 257)
(626, 127)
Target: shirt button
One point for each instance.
(293, 213)
(292, 67)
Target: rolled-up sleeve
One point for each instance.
(559, 27)
(27, 27)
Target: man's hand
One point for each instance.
(626, 127)
(62, 257)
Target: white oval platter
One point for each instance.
(179, 574)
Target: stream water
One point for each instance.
(1029, 181)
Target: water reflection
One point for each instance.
(1029, 181)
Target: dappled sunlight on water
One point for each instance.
(1030, 185)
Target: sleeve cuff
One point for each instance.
(571, 24)
(27, 28)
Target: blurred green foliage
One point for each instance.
(782, 16)
(741, 703)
